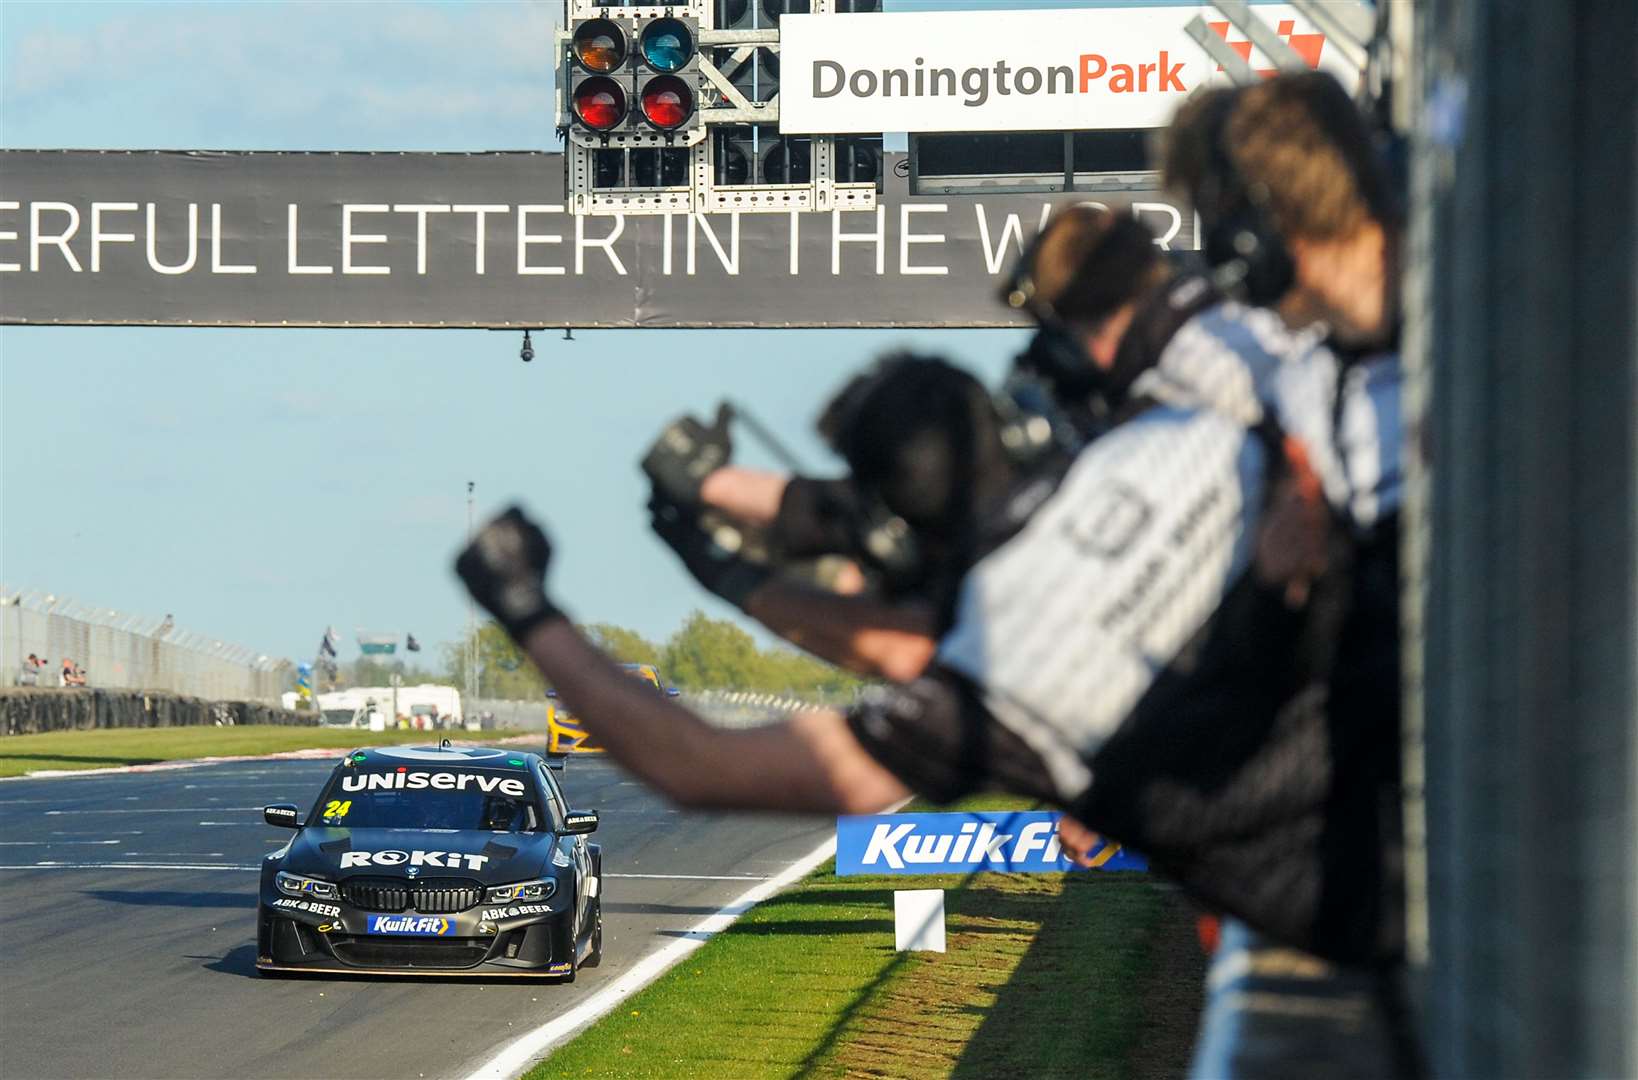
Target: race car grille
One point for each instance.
(445, 896)
(421, 953)
(434, 896)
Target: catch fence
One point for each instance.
(121, 651)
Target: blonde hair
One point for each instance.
(1300, 146)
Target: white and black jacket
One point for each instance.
(1117, 657)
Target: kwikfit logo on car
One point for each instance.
(424, 925)
(403, 780)
(1022, 842)
(443, 860)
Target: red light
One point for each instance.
(667, 102)
(600, 104)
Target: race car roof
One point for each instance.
(485, 756)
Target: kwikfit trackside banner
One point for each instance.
(1010, 70)
(1016, 842)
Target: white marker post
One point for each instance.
(918, 920)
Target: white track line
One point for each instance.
(686, 877)
(125, 866)
(159, 810)
(316, 754)
(52, 843)
(526, 1049)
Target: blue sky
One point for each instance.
(262, 484)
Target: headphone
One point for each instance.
(1029, 434)
(1249, 259)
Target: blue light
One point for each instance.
(667, 45)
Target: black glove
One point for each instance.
(685, 454)
(505, 570)
(710, 550)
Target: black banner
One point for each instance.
(185, 238)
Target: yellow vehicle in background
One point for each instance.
(564, 733)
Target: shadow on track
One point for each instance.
(146, 898)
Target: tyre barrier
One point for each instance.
(26, 711)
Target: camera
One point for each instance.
(527, 353)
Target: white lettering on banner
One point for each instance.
(193, 242)
(293, 238)
(480, 213)
(349, 238)
(525, 238)
(996, 256)
(884, 841)
(421, 210)
(1034, 836)
(99, 237)
(11, 234)
(914, 239)
(37, 240)
(730, 263)
(1165, 238)
(906, 238)
(582, 242)
(443, 860)
(838, 238)
(217, 266)
(895, 846)
(1043, 70)
(438, 781)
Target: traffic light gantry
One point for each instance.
(674, 108)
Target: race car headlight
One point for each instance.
(523, 890)
(296, 885)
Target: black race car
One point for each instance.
(434, 861)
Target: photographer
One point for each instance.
(1316, 786)
(940, 471)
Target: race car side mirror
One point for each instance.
(672, 691)
(284, 815)
(580, 821)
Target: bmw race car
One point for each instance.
(434, 861)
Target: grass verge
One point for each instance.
(22, 754)
(1047, 975)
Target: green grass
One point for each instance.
(21, 754)
(1047, 975)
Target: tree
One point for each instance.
(709, 653)
(625, 646)
(715, 654)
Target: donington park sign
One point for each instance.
(182, 238)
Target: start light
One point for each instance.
(599, 45)
(666, 44)
(523, 890)
(667, 102)
(600, 104)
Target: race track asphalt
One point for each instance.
(131, 954)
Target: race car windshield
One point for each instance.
(643, 673)
(402, 798)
